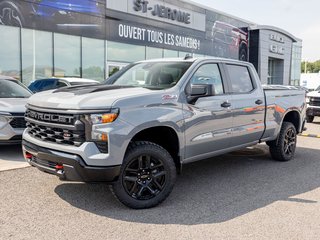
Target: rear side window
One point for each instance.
(240, 79)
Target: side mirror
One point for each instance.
(199, 90)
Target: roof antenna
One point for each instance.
(187, 56)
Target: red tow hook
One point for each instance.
(59, 167)
(28, 155)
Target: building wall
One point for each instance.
(279, 51)
(92, 39)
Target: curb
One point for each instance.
(310, 135)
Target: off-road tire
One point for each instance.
(158, 155)
(310, 119)
(283, 148)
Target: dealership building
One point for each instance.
(94, 39)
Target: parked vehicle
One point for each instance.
(313, 107)
(53, 83)
(13, 98)
(153, 117)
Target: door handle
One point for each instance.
(259, 102)
(225, 105)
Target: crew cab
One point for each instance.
(138, 129)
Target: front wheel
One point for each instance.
(283, 148)
(147, 176)
(310, 119)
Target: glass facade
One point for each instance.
(67, 57)
(10, 63)
(121, 52)
(37, 55)
(153, 53)
(296, 64)
(93, 58)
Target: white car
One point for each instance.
(13, 98)
(53, 83)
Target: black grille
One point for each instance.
(314, 101)
(18, 122)
(56, 135)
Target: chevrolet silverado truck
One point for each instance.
(313, 104)
(140, 127)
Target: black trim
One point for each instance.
(14, 140)
(74, 168)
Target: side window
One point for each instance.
(61, 84)
(209, 74)
(240, 79)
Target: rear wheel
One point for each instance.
(147, 176)
(310, 119)
(283, 148)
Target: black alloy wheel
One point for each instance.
(289, 142)
(283, 148)
(144, 177)
(147, 176)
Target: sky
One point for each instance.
(299, 17)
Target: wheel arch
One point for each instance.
(165, 136)
(294, 117)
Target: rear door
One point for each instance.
(248, 104)
(208, 120)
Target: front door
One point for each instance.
(208, 121)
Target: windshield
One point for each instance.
(318, 88)
(152, 75)
(13, 89)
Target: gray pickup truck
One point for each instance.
(139, 128)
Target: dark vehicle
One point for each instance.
(229, 41)
(155, 116)
(13, 98)
(53, 83)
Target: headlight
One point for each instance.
(103, 118)
(5, 117)
(307, 99)
(95, 119)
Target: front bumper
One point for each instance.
(67, 166)
(313, 111)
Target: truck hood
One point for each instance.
(13, 105)
(84, 97)
(314, 94)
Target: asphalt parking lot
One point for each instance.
(241, 195)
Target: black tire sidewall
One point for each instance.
(158, 152)
(310, 119)
(277, 150)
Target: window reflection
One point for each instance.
(10, 51)
(36, 55)
(125, 52)
(170, 53)
(152, 53)
(66, 55)
(93, 59)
